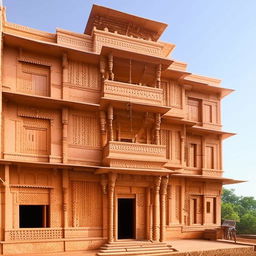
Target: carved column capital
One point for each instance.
(156, 183)
(164, 185)
(111, 182)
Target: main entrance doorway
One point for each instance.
(126, 218)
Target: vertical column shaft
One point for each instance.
(64, 135)
(111, 190)
(157, 128)
(65, 182)
(110, 66)
(156, 209)
(164, 185)
(8, 200)
(110, 122)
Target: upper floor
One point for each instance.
(109, 97)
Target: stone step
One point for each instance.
(133, 246)
(151, 253)
(133, 243)
(136, 249)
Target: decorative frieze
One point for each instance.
(74, 40)
(104, 38)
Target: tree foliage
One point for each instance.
(241, 209)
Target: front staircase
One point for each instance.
(135, 248)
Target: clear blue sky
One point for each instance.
(216, 38)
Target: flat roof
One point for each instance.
(151, 25)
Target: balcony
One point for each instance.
(148, 98)
(105, 38)
(134, 155)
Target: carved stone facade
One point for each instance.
(100, 127)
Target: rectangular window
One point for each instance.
(193, 155)
(194, 110)
(208, 207)
(35, 136)
(210, 113)
(194, 211)
(210, 157)
(34, 216)
(34, 79)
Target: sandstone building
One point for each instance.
(104, 137)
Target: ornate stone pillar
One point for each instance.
(110, 66)
(102, 68)
(7, 199)
(163, 192)
(156, 209)
(149, 217)
(103, 127)
(64, 135)
(183, 136)
(65, 182)
(157, 128)
(158, 75)
(111, 190)
(110, 122)
(104, 185)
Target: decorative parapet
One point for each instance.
(134, 93)
(134, 155)
(33, 234)
(74, 40)
(25, 31)
(104, 38)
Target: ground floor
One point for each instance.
(69, 209)
(191, 247)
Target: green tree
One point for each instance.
(229, 196)
(228, 212)
(241, 209)
(247, 224)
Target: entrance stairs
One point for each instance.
(133, 248)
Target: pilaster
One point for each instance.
(163, 193)
(111, 189)
(156, 209)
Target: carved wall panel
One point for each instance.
(83, 75)
(172, 140)
(32, 136)
(172, 94)
(86, 204)
(85, 130)
(178, 204)
(33, 79)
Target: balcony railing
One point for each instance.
(134, 155)
(132, 93)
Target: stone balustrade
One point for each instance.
(133, 93)
(134, 155)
